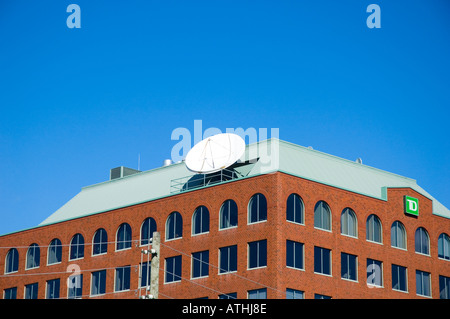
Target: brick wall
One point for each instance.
(276, 277)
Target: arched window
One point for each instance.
(100, 242)
(374, 229)
(444, 246)
(294, 209)
(33, 256)
(398, 235)
(147, 229)
(228, 214)
(257, 208)
(349, 224)
(54, 252)
(200, 220)
(77, 247)
(174, 226)
(123, 237)
(422, 241)
(12, 261)
(322, 216)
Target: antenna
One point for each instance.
(215, 153)
(139, 161)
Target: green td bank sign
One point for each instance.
(411, 205)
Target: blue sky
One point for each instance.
(77, 102)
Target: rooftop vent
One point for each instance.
(359, 160)
(121, 171)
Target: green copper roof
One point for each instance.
(265, 157)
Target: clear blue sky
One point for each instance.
(77, 102)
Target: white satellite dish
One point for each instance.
(215, 153)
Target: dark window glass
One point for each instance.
(422, 241)
(399, 278)
(173, 269)
(228, 259)
(200, 220)
(373, 229)
(294, 294)
(294, 209)
(257, 251)
(54, 251)
(322, 216)
(348, 266)
(100, 242)
(98, 282)
(228, 214)
(294, 254)
(75, 286)
(53, 289)
(174, 226)
(147, 230)
(123, 237)
(374, 272)
(257, 294)
(200, 264)
(31, 291)
(444, 287)
(11, 293)
(12, 261)
(423, 284)
(348, 222)
(444, 246)
(122, 278)
(33, 256)
(257, 208)
(322, 260)
(77, 247)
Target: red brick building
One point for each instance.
(349, 231)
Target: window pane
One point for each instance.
(228, 214)
(374, 272)
(444, 287)
(294, 209)
(200, 265)
(75, 286)
(257, 208)
(147, 230)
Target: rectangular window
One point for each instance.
(444, 287)
(257, 294)
(10, 293)
(231, 295)
(399, 278)
(319, 296)
(75, 286)
(228, 259)
(98, 283)
(122, 278)
(322, 261)
(31, 291)
(294, 254)
(349, 266)
(145, 273)
(374, 272)
(257, 254)
(52, 289)
(423, 283)
(200, 264)
(173, 269)
(294, 294)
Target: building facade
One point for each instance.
(310, 226)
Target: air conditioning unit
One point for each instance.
(121, 171)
